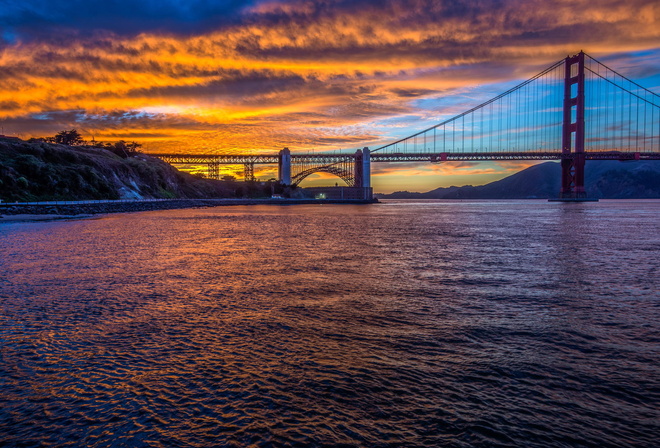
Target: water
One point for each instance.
(458, 324)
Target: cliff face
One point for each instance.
(606, 179)
(43, 171)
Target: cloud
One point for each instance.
(41, 18)
(237, 76)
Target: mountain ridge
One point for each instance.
(604, 179)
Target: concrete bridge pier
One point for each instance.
(362, 171)
(362, 168)
(366, 168)
(284, 167)
(358, 168)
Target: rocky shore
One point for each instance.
(84, 208)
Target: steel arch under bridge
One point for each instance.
(342, 167)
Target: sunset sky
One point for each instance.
(205, 76)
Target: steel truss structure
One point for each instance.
(342, 166)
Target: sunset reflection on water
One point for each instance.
(519, 323)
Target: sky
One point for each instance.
(208, 76)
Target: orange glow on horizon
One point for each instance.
(320, 79)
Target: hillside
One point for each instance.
(44, 171)
(607, 179)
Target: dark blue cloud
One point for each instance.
(44, 19)
(34, 19)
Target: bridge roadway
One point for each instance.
(329, 158)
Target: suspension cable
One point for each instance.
(492, 100)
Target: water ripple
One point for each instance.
(448, 324)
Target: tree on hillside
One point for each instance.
(123, 149)
(71, 138)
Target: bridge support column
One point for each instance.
(248, 170)
(366, 168)
(362, 171)
(366, 173)
(573, 157)
(284, 167)
(213, 170)
(358, 168)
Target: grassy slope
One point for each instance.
(43, 171)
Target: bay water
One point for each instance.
(399, 324)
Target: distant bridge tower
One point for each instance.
(573, 157)
(284, 166)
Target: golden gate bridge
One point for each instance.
(576, 110)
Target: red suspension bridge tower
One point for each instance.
(573, 156)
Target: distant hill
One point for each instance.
(31, 171)
(607, 179)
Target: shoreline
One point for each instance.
(38, 218)
(17, 212)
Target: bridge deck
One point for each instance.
(326, 159)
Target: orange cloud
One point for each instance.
(303, 74)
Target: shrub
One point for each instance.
(23, 183)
